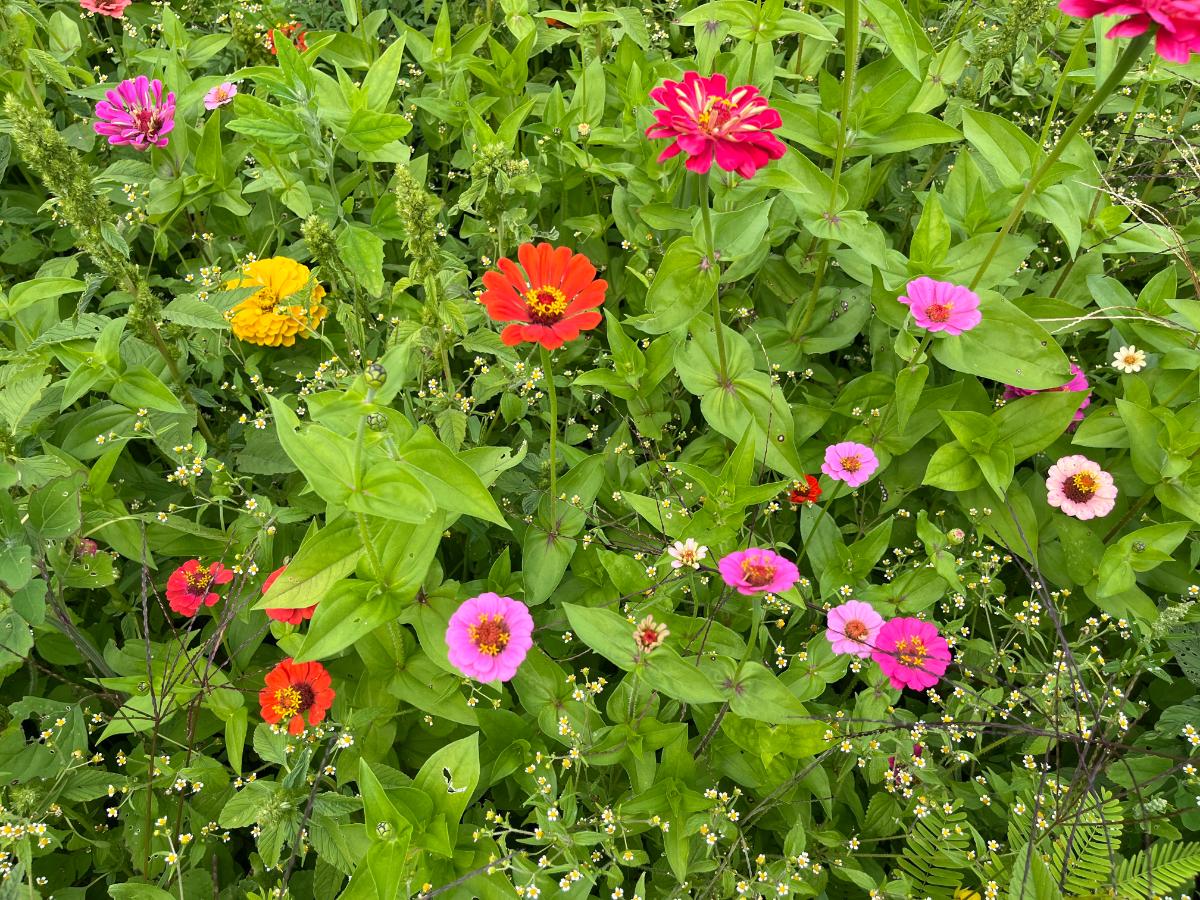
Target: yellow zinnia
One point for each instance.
(264, 317)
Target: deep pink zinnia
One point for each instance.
(488, 637)
(114, 9)
(136, 113)
(853, 627)
(709, 122)
(850, 462)
(757, 571)
(911, 653)
(1177, 21)
(1078, 382)
(942, 306)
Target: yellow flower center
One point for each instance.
(490, 635)
(911, 651)
(757, 571)
(1081, 486)
(287, 702)
(199, 579)
(851, 463)
(939, 312)
(546, 304)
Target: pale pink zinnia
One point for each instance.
(942, 306)
(1177, 22)
(136, 113)
(708, 122)
(114, 9)
(488, 637)
(911, 653)
(220, 95)
(1078, 382)
(1080, 488)
(850, 462)
(756, 571)
(853, 627)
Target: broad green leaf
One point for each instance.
(324, 559)
(352, 609)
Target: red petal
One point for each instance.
(513, 273)
(579, 275)
(531, 262)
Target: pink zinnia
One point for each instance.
(1177, 22)
(707, 121)
(488, 637)
(114, 9)
(850, 462)
(911, 653)
(942, 306)
(190, 586)
(1080, 488)
(853, 627)
(136, 113)
(220, 95)
(1078, 382)
(755, 571)
(290, 616)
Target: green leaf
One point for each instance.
(139, 386)
(931, 240)
(449, 777)
(54, 510)
(28, 293)
(271, 125)
(132, 890)
(352, 609)
(682, 287)
(324, 559)
(901, 32)
(362, 251)
(1031, 424)
(193, 313)
(453, 484)
(952, 468)
(380, 83)
(369, 131)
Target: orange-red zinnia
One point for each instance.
(550, 301)
(295, 691)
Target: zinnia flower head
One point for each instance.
(1080, 488)
(264, 317)
(1177, 22)
(136, 113)
(853, 627)
(1078, 382)
(488, 637)
(291, 31)
(114, 9)
(220, 95)
(188, 588)
(290, 616)
(942, 306)
(806, 491)
(1129, 360)
(550, 298)
(686, 553)
(295, 691)
(911, 653)
(757, 571)
(850, 462)
(649, 635)
(707, 122)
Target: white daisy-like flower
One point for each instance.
(1129, 360)
(686, 553)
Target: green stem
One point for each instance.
(1062, 83)
(552, 392)
(1124, 63)
(710, 248)
(756, 620)
(364, 533)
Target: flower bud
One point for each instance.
(375, 375)
(956, 535)
(377, 421)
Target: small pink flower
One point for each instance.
(853, 627)
(1177, 22)
(114, 9)
(911, 653)
(220, 95)
(942, 306)
(1080, 488)
(137, 114)
(756, 571)
(850, 462)
(488, 637)
(1078, 382)
(708, 122)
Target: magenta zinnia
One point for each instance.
(1177, 22)
(136, 113)
(850, 462)
(942, 305)
(708, 122)
(1080, 488)
(488, 637)
(911, 653)
(756, 571)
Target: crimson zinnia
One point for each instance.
(550, 302)
(1177, 22)
(190, 586)
(294, 691)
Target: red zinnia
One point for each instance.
(188, 586)
(550, 302)
(290, 616)
(293, 691)
(806, 491)
(292, 32)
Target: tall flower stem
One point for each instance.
(1120, 69)
(552, 392)
(710, 248)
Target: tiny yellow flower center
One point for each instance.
(851, 463)
(546, 304)
(911, 651)
(1081, 486)
(490, 635)
(287, 702)
(757, 571)
(199, 579)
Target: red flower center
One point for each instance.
(546, 304)
(146, 120)
(649, 636)
(199, 579)
(490, 635)
(1081, 486)
(855, 630)
(757, 571)
(939, 312)
(911, 651)
(717, 113)
(852, 463)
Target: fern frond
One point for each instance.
(1166, 866)
(1095, 843)
(935, 854)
